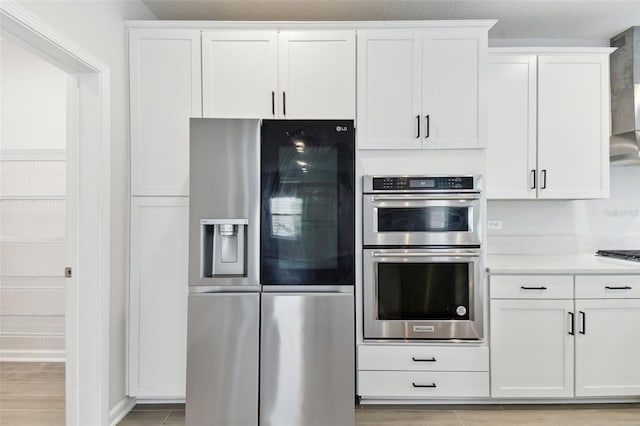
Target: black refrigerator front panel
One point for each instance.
(307, 216)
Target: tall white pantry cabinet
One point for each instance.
(165, 78)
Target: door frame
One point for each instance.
(87, 307)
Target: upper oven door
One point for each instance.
(421, 219)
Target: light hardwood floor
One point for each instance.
(442, 415)
(32, 394)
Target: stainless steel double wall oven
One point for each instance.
(422, 259)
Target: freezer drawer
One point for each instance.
(222, 359)
(307, 359)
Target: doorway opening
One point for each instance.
(87, 209)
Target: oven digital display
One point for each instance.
(422, 183)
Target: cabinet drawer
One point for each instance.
(607, 286)
(423, 358)
(531, 286)
(407, 384)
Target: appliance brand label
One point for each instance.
(424, 328)
(341, 128)
(461, 310)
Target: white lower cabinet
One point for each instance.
(158, 297)
(583, 346)
(422, 372)
(531, 348)
(608, 342)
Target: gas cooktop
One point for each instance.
(633, 255)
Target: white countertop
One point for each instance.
(559, 264)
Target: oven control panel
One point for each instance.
(419, 183)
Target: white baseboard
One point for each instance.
(12, 355)
(121, 409)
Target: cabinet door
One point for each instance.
(317, 74)
(239, 77)
(531, 348)
(389, 89)
(453, 67)
(573, 126)
(158, 297)
(608, 347)
(165, 92)
(511, 127)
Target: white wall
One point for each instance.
(98, 27)
(32, 206)
(580, 226)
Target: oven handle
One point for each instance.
(427, 254)
(425, 197)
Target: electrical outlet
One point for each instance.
(494, 224)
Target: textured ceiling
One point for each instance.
(517, 19)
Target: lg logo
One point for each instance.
(341, 128)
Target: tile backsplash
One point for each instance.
(570, 226)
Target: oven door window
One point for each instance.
(423, 291)
(424, 219)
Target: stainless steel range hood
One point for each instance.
(624, 145)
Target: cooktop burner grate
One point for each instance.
(633, 255)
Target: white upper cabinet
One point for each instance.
(271, 74)
(548, 113)
(421, 89)
(317, 74)
(389, 89)
(165, 92)
(453, 67)
(573, 126)
(511, 130)
(240, 74)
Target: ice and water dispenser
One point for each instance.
(224, 247)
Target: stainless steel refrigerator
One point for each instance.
(271, 273)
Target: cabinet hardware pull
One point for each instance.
(432, 359)
(432, 385)
(626, 287)
(273, 103)
(573, 324)
(533, 179)
(533, 288)
(428, 126)
(418, 118)
(584, 322)
(544, 179)
(284, 103)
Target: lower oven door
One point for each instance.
(422, 294)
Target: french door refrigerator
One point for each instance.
(271, 205)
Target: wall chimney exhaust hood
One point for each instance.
(624, 145)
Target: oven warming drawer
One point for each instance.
(422, 384)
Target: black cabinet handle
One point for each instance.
(273, 103)
(428, 126)
(573, 324)
(418, 118)
(626, 287)
(533, 288)
(544, 178)
(284, 103)
(432, 385)
(584, 322)
(432, 359)
(533, 179)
